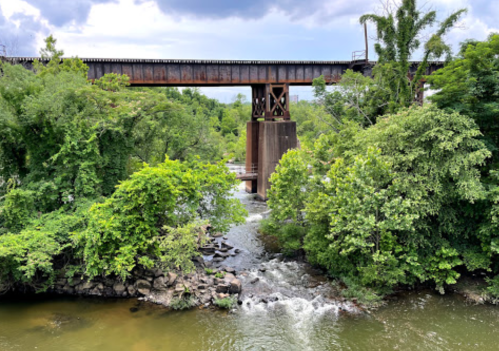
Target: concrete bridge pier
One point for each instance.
(270, 134)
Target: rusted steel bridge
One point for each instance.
(270, 133)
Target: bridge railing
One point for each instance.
(359, 55)
(253, 170)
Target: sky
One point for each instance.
(215, 29)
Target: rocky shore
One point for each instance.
(202, 287)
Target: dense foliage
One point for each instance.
(391, 207)
(391, 193)
(75, 194)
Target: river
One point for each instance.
(287, 308)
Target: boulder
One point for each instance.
(228, 277)
(158, 273)
(143, 286)
(109, 292)
(109, 281)
(205, 298)
(161, 297)
(172, 277)
(131, 290)
(67, 289)
(85, 286)
(119, 288)
(75, 281)
(160, 283)
(198, 261)
(148, 273)
(179, 289)
(222, 288)
(228, 270)
(235, 286)
(189, 276)
(97, 291)
(227, 245)
(206, 280)
(208, 249)
(221, 254)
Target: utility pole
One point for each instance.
(367, 44)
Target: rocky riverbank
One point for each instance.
(202, 287)
(160, 287)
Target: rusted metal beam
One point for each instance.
(146, 72)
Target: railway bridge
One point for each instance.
(271, 132)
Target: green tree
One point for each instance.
(134, 225)
(399, 35)
(399, 204)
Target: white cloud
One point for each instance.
(143, 29)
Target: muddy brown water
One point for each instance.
(288, 308)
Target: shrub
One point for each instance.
(401, 204)
(226, 302)
(219, 275)
(17, 208)
(152, 217)
(183, 303)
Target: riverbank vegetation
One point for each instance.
(394, 193)
(85, 187)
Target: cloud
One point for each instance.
(19, 34)
(255, 9)
(144, 31)
(61, 12)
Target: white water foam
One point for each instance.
(254, 218)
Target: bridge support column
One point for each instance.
(252, 154)
(274, 140)
(268, 139)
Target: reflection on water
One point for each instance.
(286, 306)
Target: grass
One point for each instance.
(183, 303)
(354, 291)
(209, 270)
(226, 302)
(220, 275)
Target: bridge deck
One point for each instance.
(247, 176)
(156, 72)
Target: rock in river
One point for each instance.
(143, 286)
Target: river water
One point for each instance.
(289, 306)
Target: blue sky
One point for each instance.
(204, 29)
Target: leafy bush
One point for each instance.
(183, 303)
(396, 206)
(39, 252)
(67, 143)
(150, 217)
(226, 302)
(209, 270)
(362, 294)
(17, 208)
